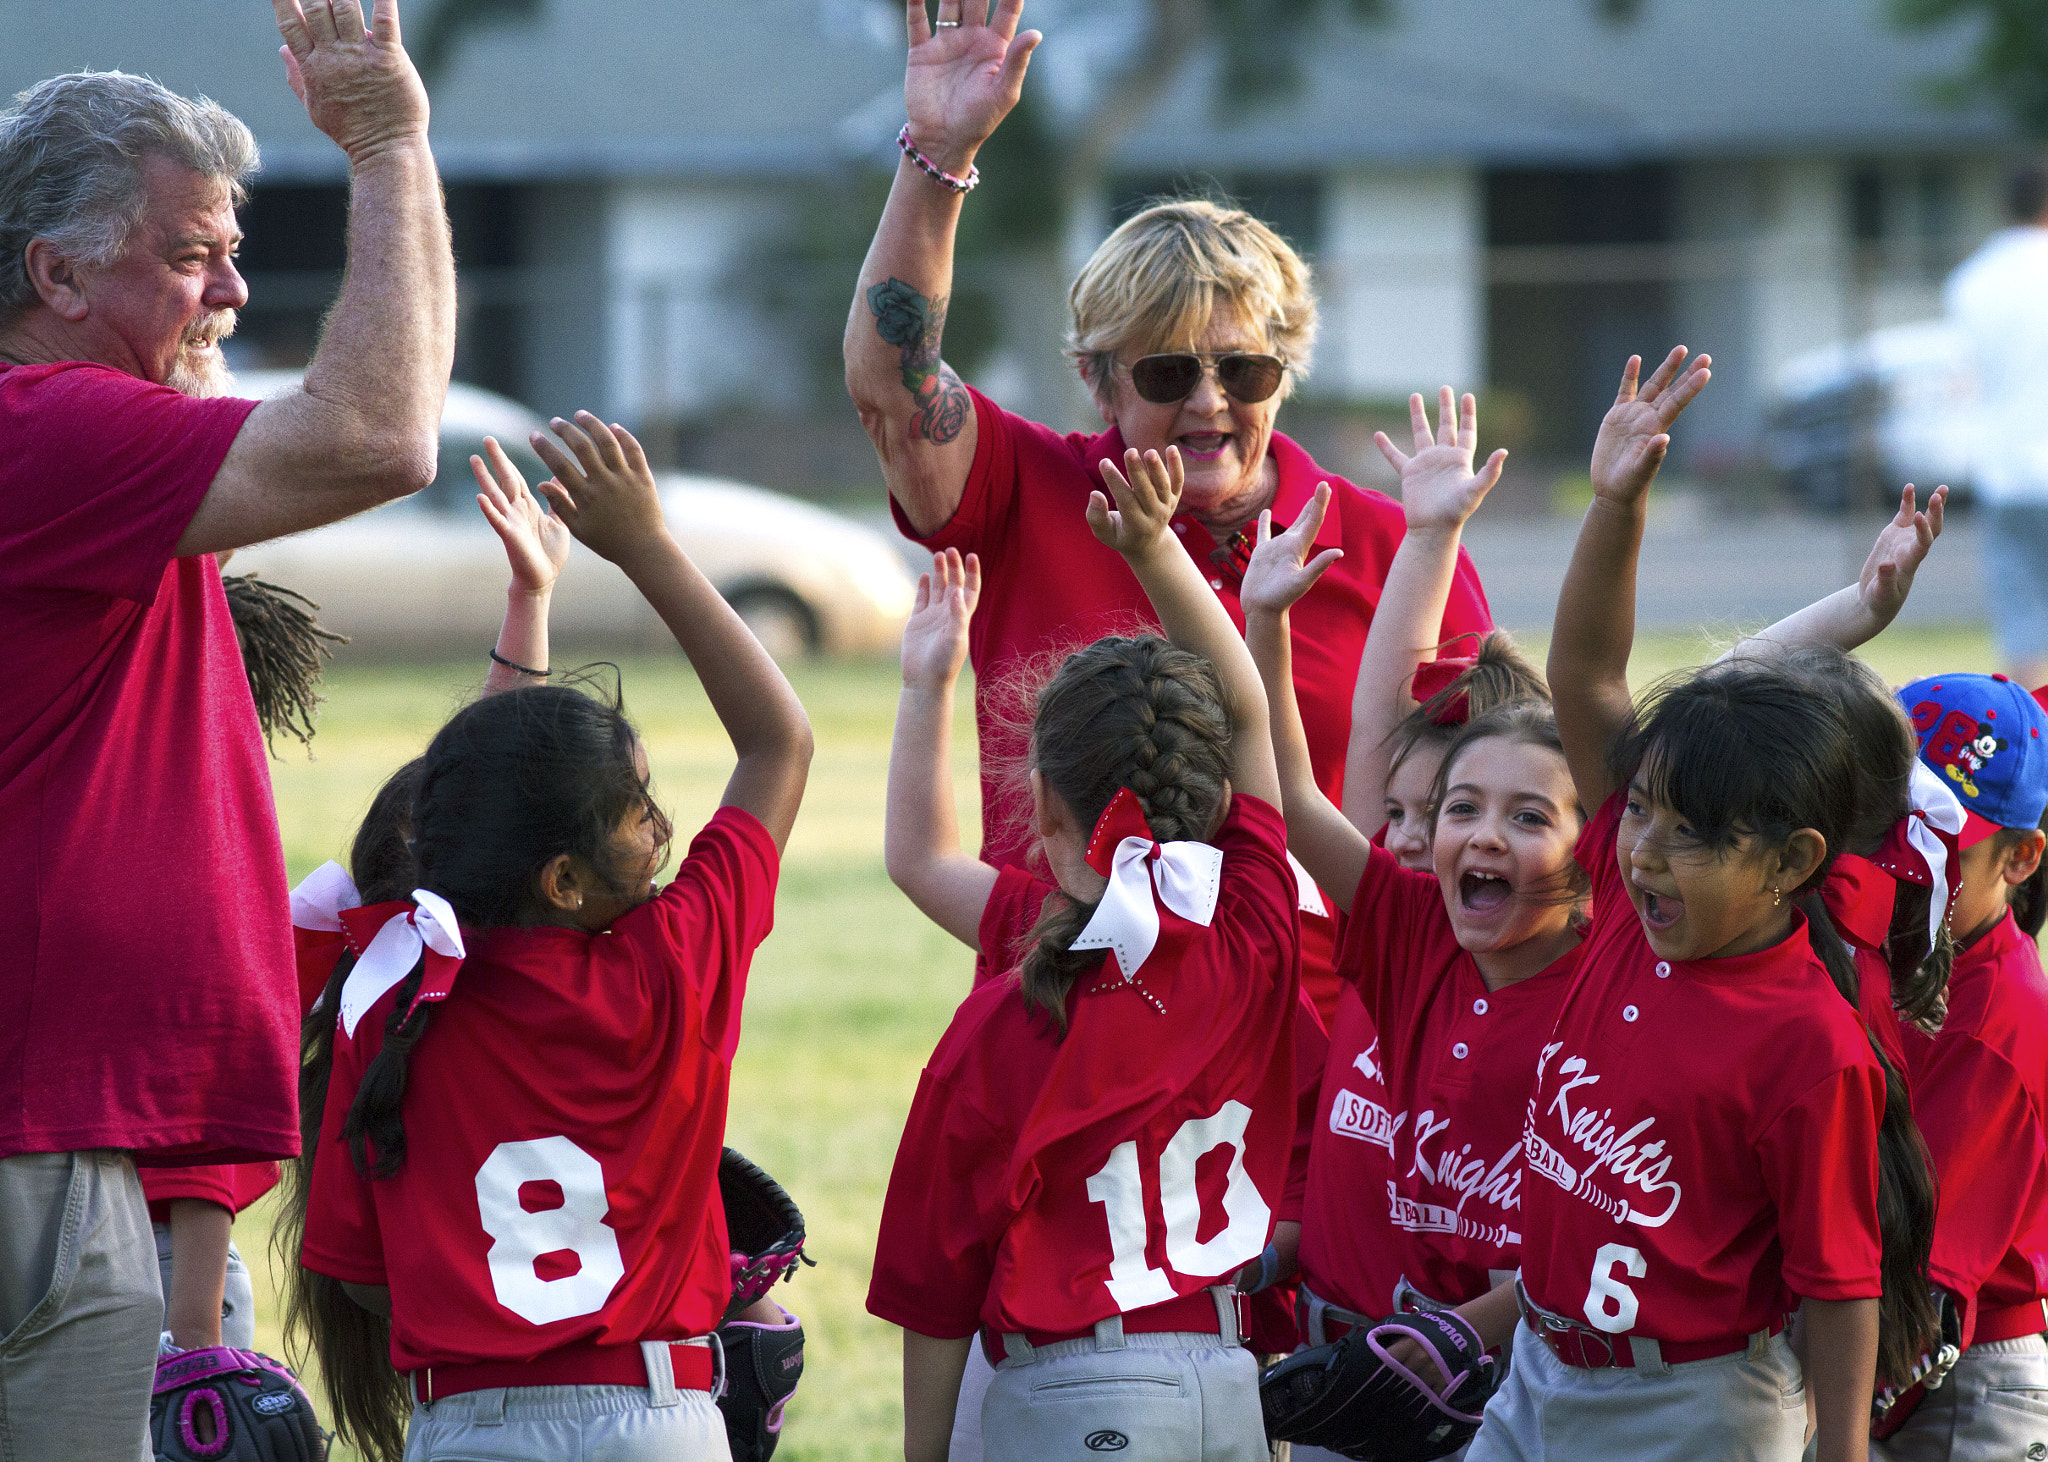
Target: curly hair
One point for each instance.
(1132, 712)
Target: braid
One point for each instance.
(1123, 712)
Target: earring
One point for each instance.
(1777, 897)
(579, 900)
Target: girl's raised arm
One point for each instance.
(921, 829)
(1147, 491)
(1280, 572)
(1853, 616)
(1596, 609)
(536, 546)
(1439, 491)
(604, 490)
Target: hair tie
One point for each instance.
(1922, 847)
(427, 928)
(1434, 677)
(1143, 874)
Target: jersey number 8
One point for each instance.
(1120, 1188)
(520, 1238)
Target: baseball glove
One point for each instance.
(1354, 1398)
(223, 1405)
(764, 1228)
(762, 1366)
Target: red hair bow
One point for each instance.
(1434, 677)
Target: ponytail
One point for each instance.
(1908, 1322)
(374, 1118)
(1137, 713)
(1919, 971)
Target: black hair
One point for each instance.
(2026, 193)
(1746, 753)
(1500, 675)
(1533, 723)
(366, 1397)
(1884, 751)
(1134, 712)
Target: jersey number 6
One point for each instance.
(1120, 1189)
(1610, 1304)
(520, 1238)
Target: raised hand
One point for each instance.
(963, 75)
(1900, 549)
(536, 542)
(1147, 491)
(935, 639)
(1438, 486)
(356, 81)
(1280, 570)
(1635, 434)
(602, 488)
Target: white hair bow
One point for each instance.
(1143, 874)
(321, 896)
(427, 929)
(1922, 846)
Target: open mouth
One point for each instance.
(1659, 911)
(1204, 446)
(1483, 893)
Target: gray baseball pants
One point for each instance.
(81, 1308)
(1993, 1407)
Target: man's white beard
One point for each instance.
(204, 373)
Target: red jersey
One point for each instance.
(1458, 1062)
(1980, 1094)
(563, 1120)
(1702, 1141)
(1044, 1183)
(1022, 512)
(1351, 1148)
(1859, 895)
(234, 1186)
(145, 966)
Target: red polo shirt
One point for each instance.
(1049, 588)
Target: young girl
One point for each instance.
(1980, 1083)
(520, 1167)
(1460, 968)
(1712, 1136)
(1099, 1141)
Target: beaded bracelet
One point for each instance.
(932, 170)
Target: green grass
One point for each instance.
(847, 996)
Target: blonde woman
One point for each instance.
(1190, 326)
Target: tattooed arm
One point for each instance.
(959, 84)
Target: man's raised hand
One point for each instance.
(1635, 434)
(1147, 492)
(963, 75)
(356, 81)
(1280, 570)
(1438, 486)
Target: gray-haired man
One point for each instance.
(147, 1003)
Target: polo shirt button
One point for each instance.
(1629, 1012)
(1181, 528)
(1663, 969)
(1215, 583)
(1479, 1006)
(1461, 1050)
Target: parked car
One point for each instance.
(427, 573)
(1859, 420)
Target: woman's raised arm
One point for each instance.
(961, 80)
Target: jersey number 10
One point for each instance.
(1120, 1189)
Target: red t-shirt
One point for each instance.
(1457, 1063)
(147, 998)
(1050, 588)
(1046, 1183)
(1859, 896)
(563, 1123)
(1980, 1095)
(1702, 1139)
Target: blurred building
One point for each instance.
(1508, 193)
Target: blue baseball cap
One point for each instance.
(1989, 740)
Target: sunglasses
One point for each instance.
(1166, 380)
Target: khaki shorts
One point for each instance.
(81, 1309)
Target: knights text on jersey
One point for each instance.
(1044, 1183)
(1980, 1095)
(564, 1116)
(1702, 1139)
(1458, 1062)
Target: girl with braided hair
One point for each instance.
(1102, 1137)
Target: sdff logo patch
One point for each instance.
(1106, 1441)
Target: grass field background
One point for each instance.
(846, 998)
